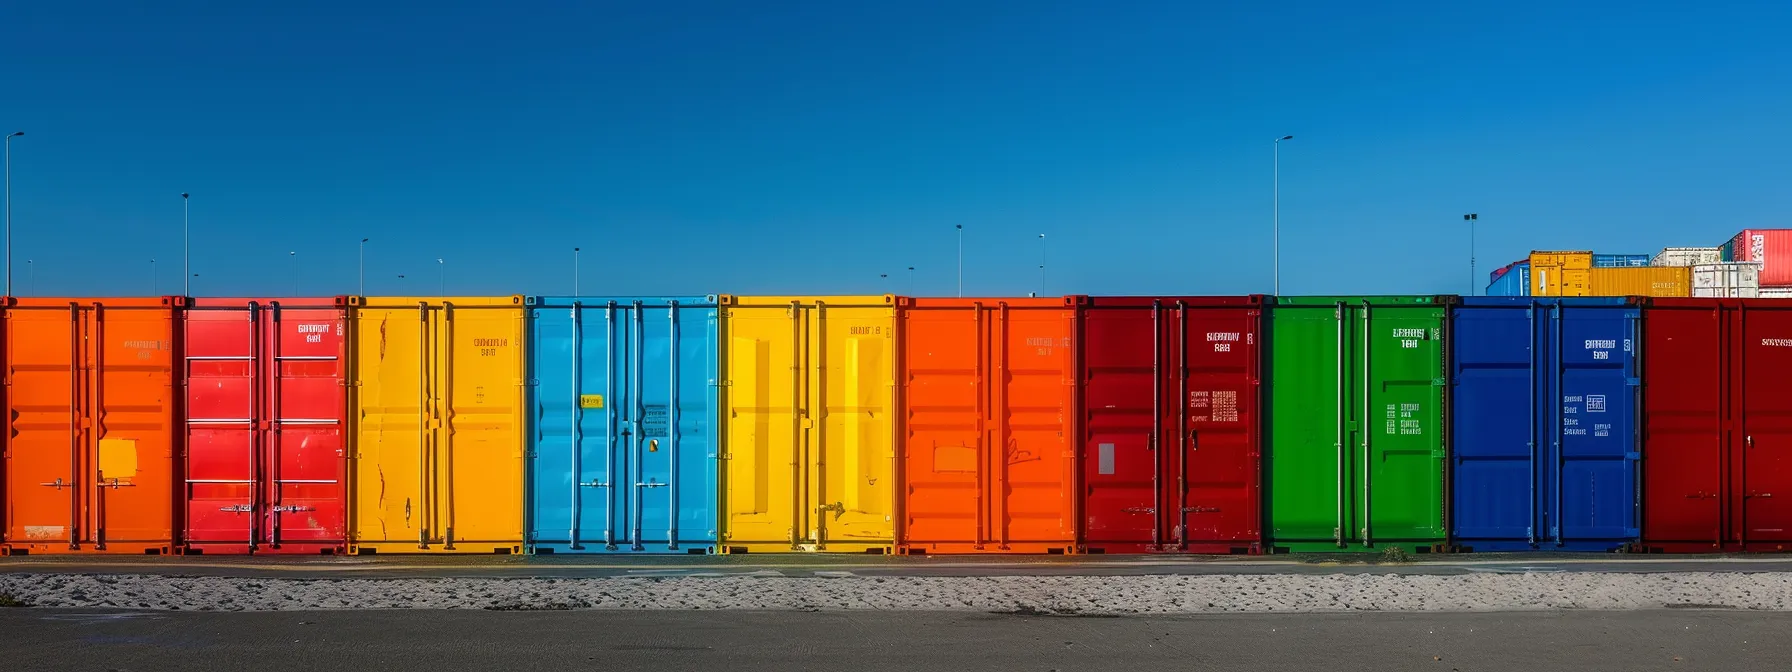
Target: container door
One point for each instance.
(575, 406)
(395, 372)
(765, 421)
(946, 461)
(1402, 433)
(477, 461)
(850, 448)
(668, 450)
(1210, 423)
(1120, 467)
(1309, 422)
(1497, 389)
(1763, 477)
(1594, 460)
(223, 367)
(1685, 361)
(133, 458)
(46, 364)
(1033, 464)
(304, 471)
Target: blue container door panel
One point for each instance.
(1595, 466)
(1492, 490)
(625, 452)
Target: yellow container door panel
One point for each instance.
(480, 462)
(392, 429)
(860, 476)
(761, 431)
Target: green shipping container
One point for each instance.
(1356, 440)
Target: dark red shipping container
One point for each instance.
(1172, 424)
(267, 411)
(1717, 422)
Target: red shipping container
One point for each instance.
(1171, 415)
(1717, 425)
(1772, 248)
(267, 408)
(92, 422)
(986, 436)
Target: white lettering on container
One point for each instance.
(1777, 342)
(1597, 344)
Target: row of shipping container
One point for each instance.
(1755, 263)
(889, 424)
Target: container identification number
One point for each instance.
(864, 331)
(488, 347)
(1409, 338)
(314, 333)
(1222, 340)
(1043, 346)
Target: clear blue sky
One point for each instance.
(807, 147)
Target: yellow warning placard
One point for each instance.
(591, 401)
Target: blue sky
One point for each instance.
(808, 147)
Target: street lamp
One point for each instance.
(1275, 241)
(154, 286)
(294, 258)
(911, 281)
(31, 277)
(9, 138)
(575, 271)
(1472, 280)
(441, 279)
(1042, 264)
(186, 268)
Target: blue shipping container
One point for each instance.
(622, 447)
(1544, 409)
(1515, 282)
(1620, 260)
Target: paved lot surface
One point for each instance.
(52, 640)
(593, 566)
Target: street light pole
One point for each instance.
(1472, 280)
(961, 261)
(155, 287)
(575, 271)
(441, 279)
(1275, 241)
(294, 270)
(31, 277)
(1042, 264)
(910, 289)
(186, 267)
(9, 138)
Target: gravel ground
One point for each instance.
(1062, 595)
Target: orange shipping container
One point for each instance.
(1641, 281)
(91, 425)
(986, 452)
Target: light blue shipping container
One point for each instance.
(1516, 281)
(1621, 260)
(622, 434)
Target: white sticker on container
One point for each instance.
(1595, 403)
(1104, 459)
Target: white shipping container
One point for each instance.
(1775, 293)
(1687, 256)
(1734, 280)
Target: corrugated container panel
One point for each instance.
(1515, 282)
(1357, 433)
(1620, 260)
(623, 417)
(1735, 280)
(1664, 281)
(92, 425)
(1172, 433)
(267, 425)
(808, 410)
(1772, 248)
(439, 441)
(987, 442)
(1718, 425)
(1687, 256)
(1544, 403)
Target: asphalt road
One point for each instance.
(434, 641)
(801, 565)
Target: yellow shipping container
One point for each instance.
(1560, 273)
(808, 405)
(439, 446)
(1642, 281)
